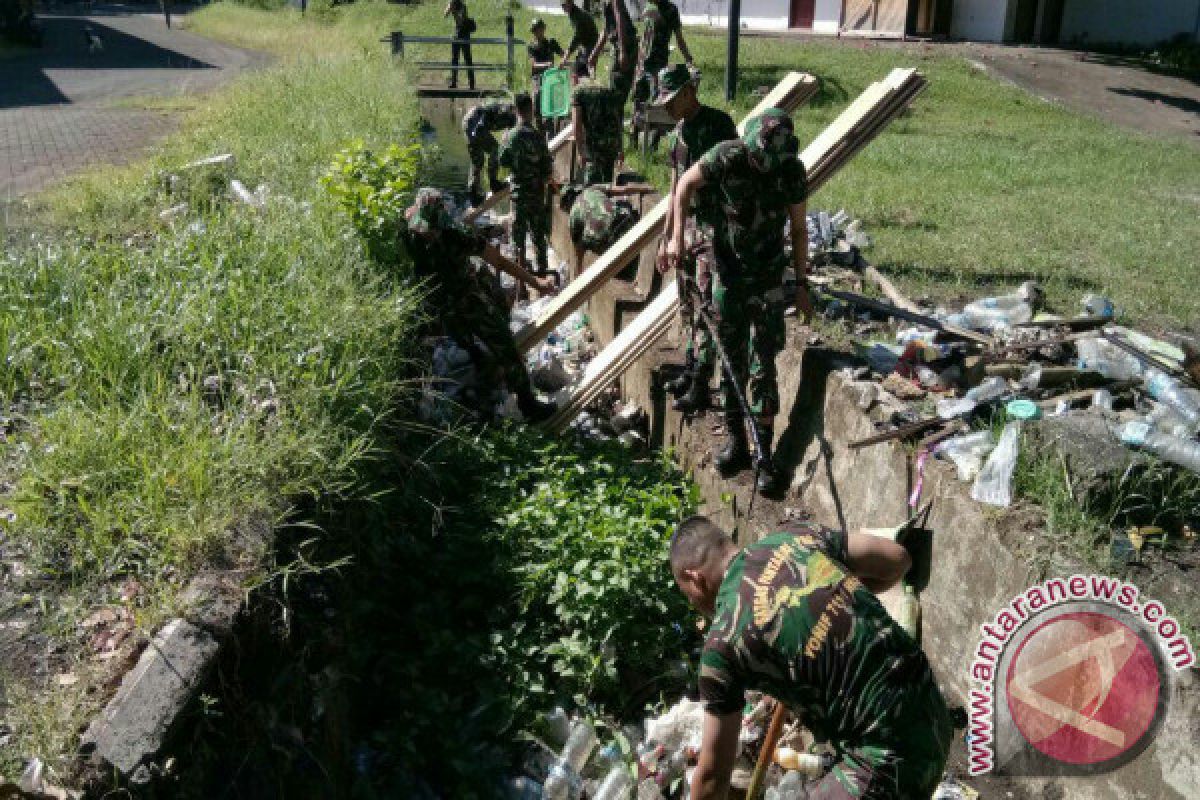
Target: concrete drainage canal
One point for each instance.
(490, 613)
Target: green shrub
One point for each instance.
(374, 190)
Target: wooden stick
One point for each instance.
(770, 742)
(903, 432)
(889, 289)
(920, 319)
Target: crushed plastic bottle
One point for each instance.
(994, 484)
(1164, 420)
(580, 744)
(989, 390)
(1003, 311)
(1173, 449)
(563, 783)
(1102, 400)
(1171, 392)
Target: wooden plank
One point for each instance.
(795, 89)
(656, 319)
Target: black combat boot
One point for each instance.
(695, 399)
(735, 455)
(532, 409)
(768, 475)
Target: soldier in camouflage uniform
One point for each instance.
(480, 125)
(660, 21)
(596, 121)
(526, 155)
(463, 303)
(699, 129)
(796, 615)
(618, 29)
(760, 184)
(583, 39)
(596, 218)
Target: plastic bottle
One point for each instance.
(617, 785)
(1173, 449)
(991, 389)
(1168, 390)
(580, 744)
(563, 783)
(1095, 305)
(967, 452)
(1099, 355)
(1102, 399)
(1164, 420)
(994, 484)
(557, 726)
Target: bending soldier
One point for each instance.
(598, 218)
(761, 185)
(462, 303)
(699, 129)
(527, 157)
(479, 126)
(596, 121)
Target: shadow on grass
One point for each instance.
(983, 278)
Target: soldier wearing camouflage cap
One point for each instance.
(479, 125)
(761, 186)
(527, 157)
(699, 128)
(464, 303)
(598, 216)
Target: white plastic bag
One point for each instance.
(994, 484)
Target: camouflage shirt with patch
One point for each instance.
(601, 109)
(691, 139)
(662, 20)
(792, 621)
(754, 203)
(525, 153)
(597, 221)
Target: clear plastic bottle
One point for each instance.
(580, 744)
(563, 783)
(617, 785)
(990, 389)
(994, 484)
(908, 614)
(1171, 392)
(1173, 449)
(1099, 355)
(1164, 420)
(1102, 399)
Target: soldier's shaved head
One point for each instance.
(697, 539)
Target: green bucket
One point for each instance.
(556, 93)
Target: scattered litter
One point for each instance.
(994, 484)
(1173, 449)
(168, 214)
(966, 452)
(255, 199)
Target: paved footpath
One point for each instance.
(58, 105)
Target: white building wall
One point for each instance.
(979, 20)
(1127, 21)
(827, 16)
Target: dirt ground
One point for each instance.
(1114, 89)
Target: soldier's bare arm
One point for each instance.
(797, 213)
(878, 562)
(718, 751)
(497, 259)
(683, 48)
(691, 182)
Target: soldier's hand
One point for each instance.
(660, 257)
(674, 252)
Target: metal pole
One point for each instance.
(731, 54)
(508, 32)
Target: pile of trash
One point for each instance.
(655, 762)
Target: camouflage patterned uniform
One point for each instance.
(793, 622)
(525, 153)
(661, 22)
(621, 80)
(463, 302)
(598, 221)
(691, 139)
(754, 188)
(583, 39)
(479, 125)
(601, 110)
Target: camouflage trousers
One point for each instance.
(599, 167)
(531, 216)
(476, 319)
(699, 266)
(481, 149)
(913, 769)
(750, 324)
(621, 81)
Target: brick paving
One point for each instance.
(56, 112)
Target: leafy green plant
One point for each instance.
(374, 189)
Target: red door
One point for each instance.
(801, 13)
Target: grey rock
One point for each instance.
(136, 722)
(1095, 459)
